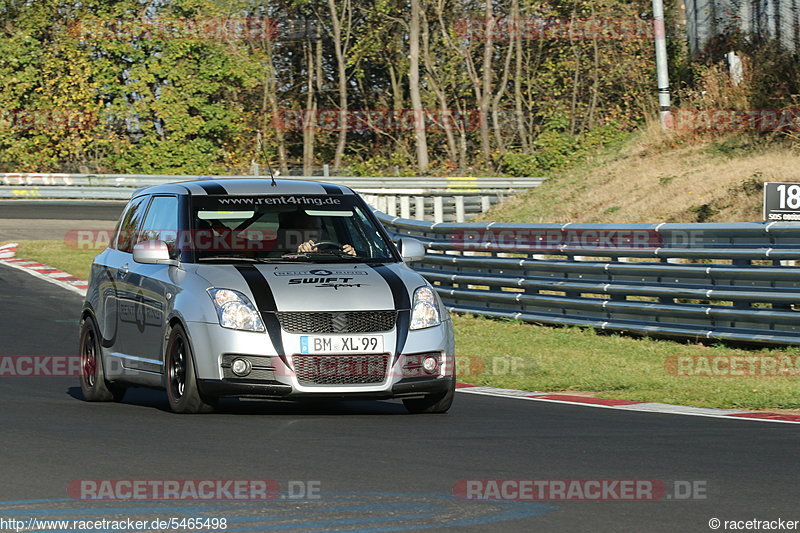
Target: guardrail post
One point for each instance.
(739, 304)
(438, 209)
(419, 207)
(459, 208)
(405, 207)
(486, 203)
(391, 208)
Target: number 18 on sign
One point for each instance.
(781, 201)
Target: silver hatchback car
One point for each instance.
(269, 289)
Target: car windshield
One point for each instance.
(286, 228)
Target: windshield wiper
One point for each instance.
(240, 258)
(343, 258)
(316, 255)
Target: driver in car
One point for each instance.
(307, 225)
(311, 246)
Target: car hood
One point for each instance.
(318, 287)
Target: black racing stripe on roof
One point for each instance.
(212, 188)
(401, 302)
(265, 303)
(332, 189)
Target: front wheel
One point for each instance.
(437, 403)
(94, 386)
(181, 383)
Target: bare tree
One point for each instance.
(498, 96)
(446, 116)
(310, 115)
(481, 83)
(269, 106)
(420, 137)
(485, 94)
(340, 46)
(517, 38)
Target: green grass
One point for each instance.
(538, 358)
(513, 354)
(56, 254)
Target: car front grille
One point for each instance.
(340, 369)
(337, 322)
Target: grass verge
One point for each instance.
(513, 354)
(56, 254)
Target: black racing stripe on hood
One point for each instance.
(265, 303)
(332, 189)
(401, 302)
(213, 188)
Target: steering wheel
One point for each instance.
(328, 244)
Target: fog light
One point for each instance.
(430, 364)
(241, 367)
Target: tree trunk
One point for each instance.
(310, 118)
(520, 117)
(270, 101)
(501, 90)
(413, 81)
(395, 78)
(342, 81)
(446, 117)
(595, 81)
(486, 89)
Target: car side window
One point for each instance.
(161, 222)
(130, 221)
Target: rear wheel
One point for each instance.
(437, 403)
(94, 386)
(181, 383)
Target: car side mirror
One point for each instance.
(153, 253)
(411, 249)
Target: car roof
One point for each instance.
(244, 186)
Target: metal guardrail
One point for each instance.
(406, 185)
(732, 282)
(425, 198)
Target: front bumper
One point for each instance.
(221, 388)
(214, 347)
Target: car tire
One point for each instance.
(94, 386)
(179, 375)
(436, 403)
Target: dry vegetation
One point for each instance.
(673, 176)
(656, 177)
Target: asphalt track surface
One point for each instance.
(379, 468)
(53, 219)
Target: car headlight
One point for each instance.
(425, 310)
(235, 311)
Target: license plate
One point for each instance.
(341, 344)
